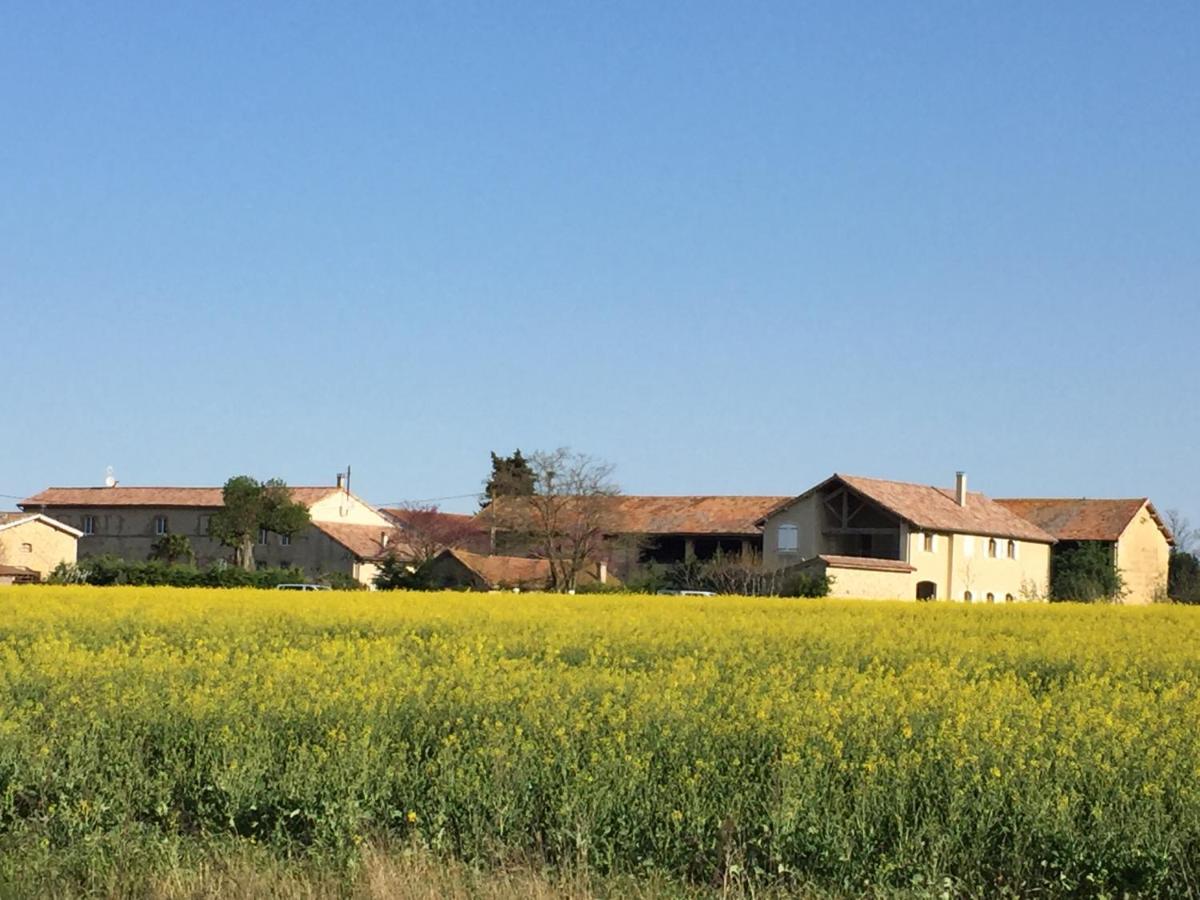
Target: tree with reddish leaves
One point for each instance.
(426, 531)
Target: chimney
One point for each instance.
(603, 575)
(960, 488)
(341, 480)
(383, 538)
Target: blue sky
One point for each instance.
(731, 248)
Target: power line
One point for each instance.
(430, 499)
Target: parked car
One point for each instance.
(303, 587)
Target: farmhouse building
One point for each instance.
(642, 529)
(1137, 538)
(32, 545)
(893, 539)
(346, 536)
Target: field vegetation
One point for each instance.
(825, 747)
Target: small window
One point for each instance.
(968, 596)
(284, 540)
(787, 538)
(262, 535)
(206, 524)
(1008, 598)
(991, 598)
(89, 524)
(992, 547)
(160, 524)
(27, 548)
(929, 542)
(1012, 549)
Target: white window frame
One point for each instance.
(285, 540)
(791, 530)
(263, 534)
(89, 525)
(161, 525)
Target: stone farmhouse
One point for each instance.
(893, 539)
(1138, 539)
(347, 535)
(32, 545)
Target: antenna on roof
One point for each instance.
(110, 480)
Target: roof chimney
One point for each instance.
(341, 480)
(383, 538)
(960, 488)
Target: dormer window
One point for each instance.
(787, 538)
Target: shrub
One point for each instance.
(1084, 571)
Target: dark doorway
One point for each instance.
(926, 590)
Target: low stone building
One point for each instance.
(1136, 536)
(894, 539)
(33, 544)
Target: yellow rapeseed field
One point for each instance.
(844, 746)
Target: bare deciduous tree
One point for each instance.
(1185, 535)
(566, 519)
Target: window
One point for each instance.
(787, 538)
(27, 548)
(930, 542)
(992, 547)
(1008, 598)
(262, 535)
(89, 524)
(284, 540)
(1012, 549)
(968, 596)
(206, 524)
(991, 598)
(160, 524)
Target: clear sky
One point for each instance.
(731, 248)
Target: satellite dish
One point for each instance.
(110, 480)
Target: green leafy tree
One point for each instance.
(511, 476)
(1084, 571)
(172, 549)
(251, 505)
(1183, 577)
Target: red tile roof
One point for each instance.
(935, 509)
(364, 541)
(504, 570)
(1082, 519)
(198, 497)
(866, 562)
(689, 515)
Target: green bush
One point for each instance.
(113, 570)
(1084, 571)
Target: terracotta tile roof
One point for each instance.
(866, 562)
(364, 541)
(7, 518)
(199, 497)
(935, 509)
(504, 570)
(19, 572)
(691, 514)
(1083, 519)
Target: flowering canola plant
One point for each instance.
(847, 744)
